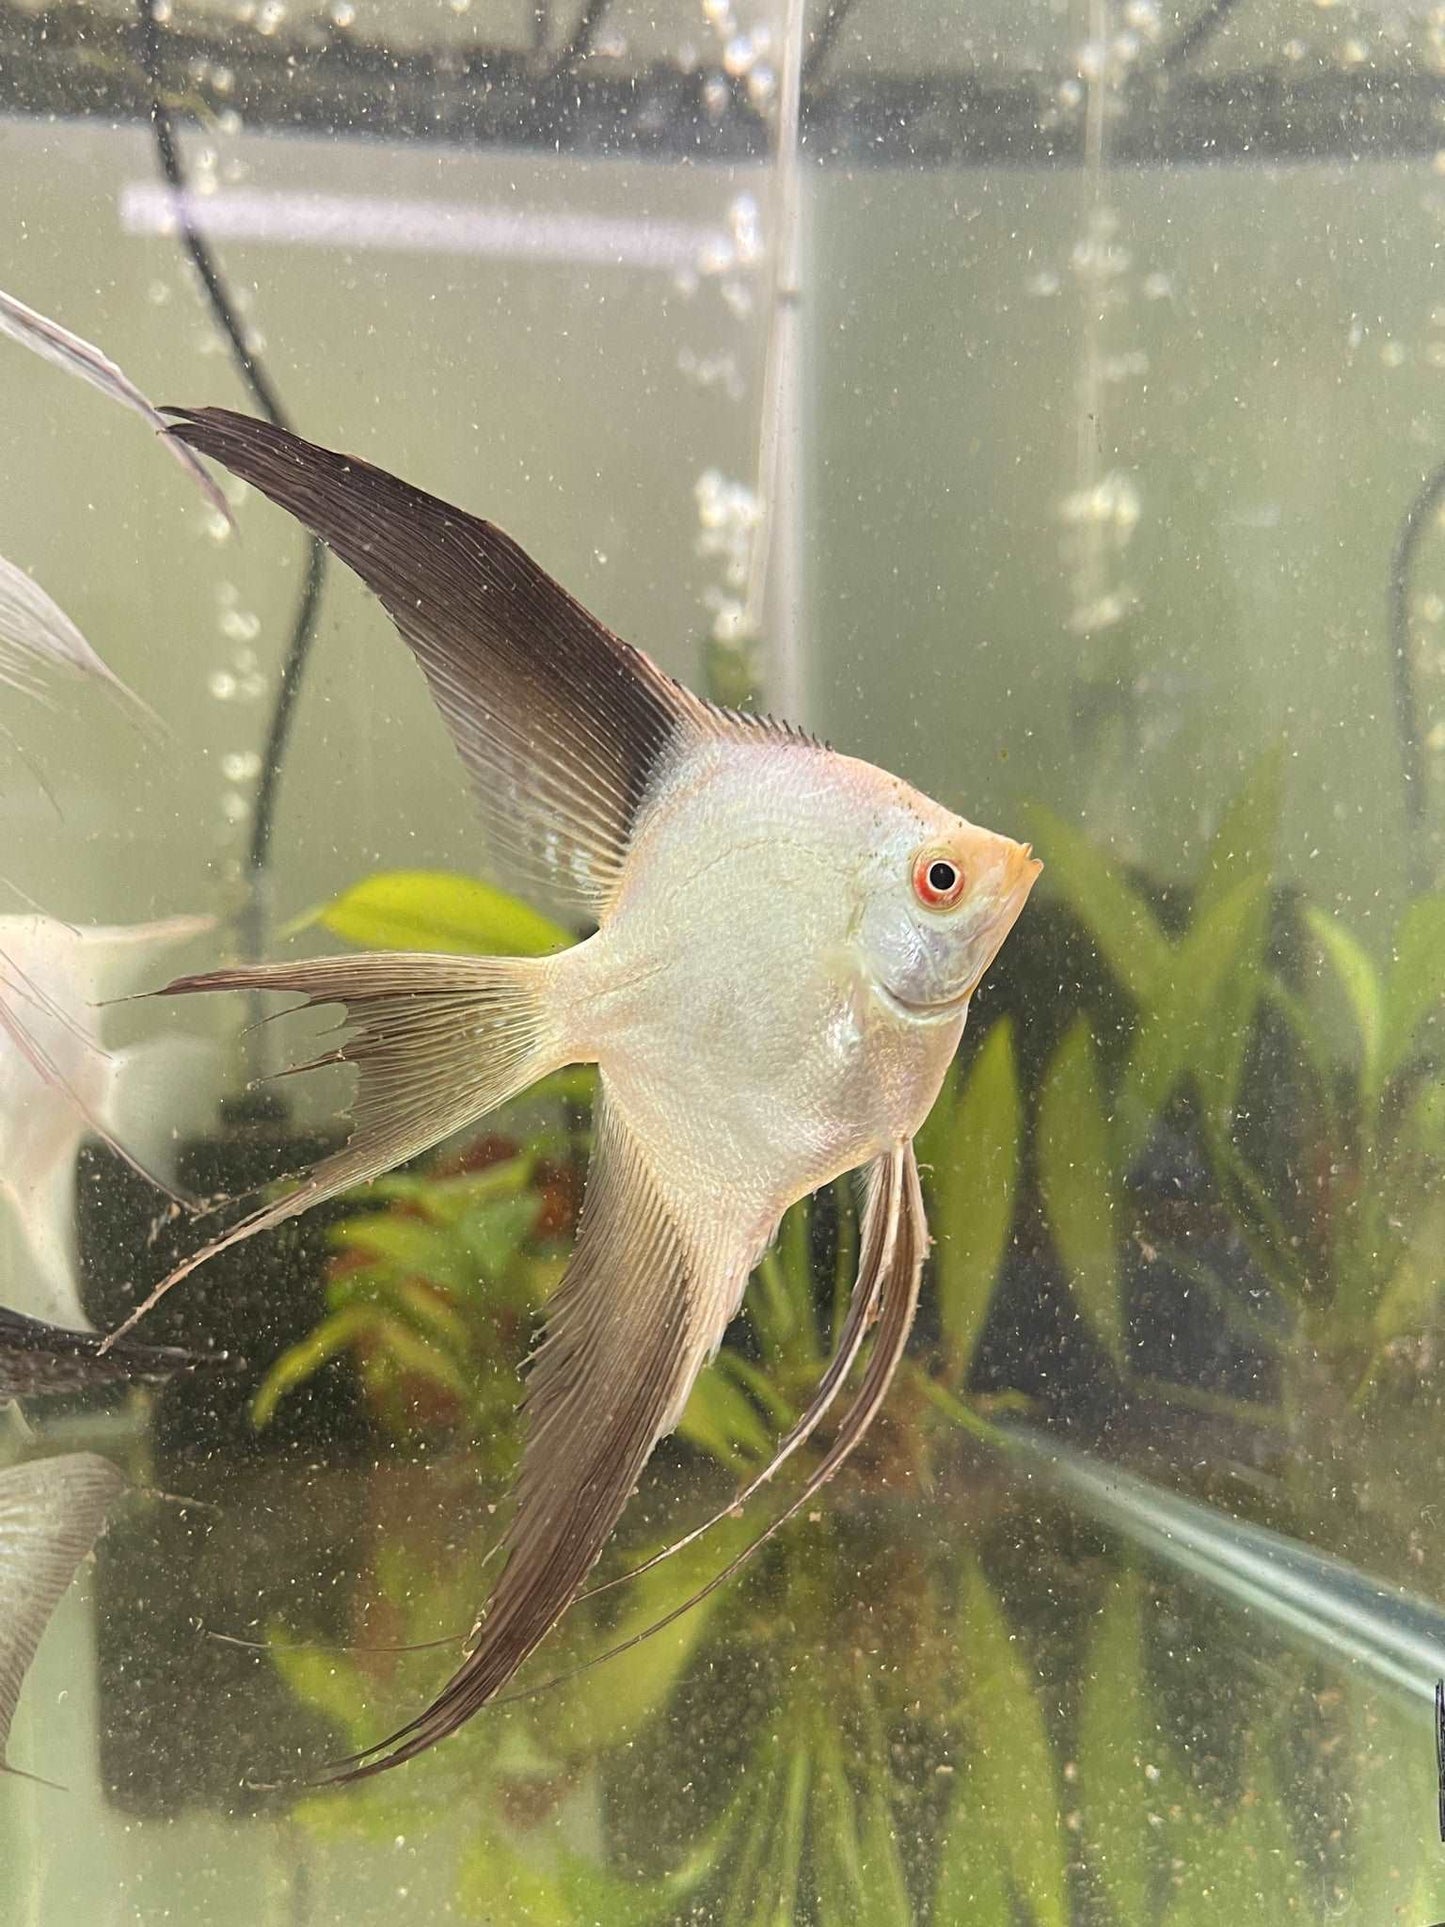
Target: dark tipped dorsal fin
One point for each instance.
(564, 728)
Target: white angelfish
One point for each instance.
(787, 943)
(58, 1084)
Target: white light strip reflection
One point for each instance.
(420, 227)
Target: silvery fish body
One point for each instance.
(58, 1084)
(787, 940)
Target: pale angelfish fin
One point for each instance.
(77, 356)
(51, 1512)
(564, 728)
(628, 1329)
(881, 1213)
(438, 1041)
(900, 1202)
(36, 635)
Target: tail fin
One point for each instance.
(438, 1040)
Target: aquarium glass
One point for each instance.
(1043, 400)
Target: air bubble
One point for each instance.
(745, 227)
(762, 87)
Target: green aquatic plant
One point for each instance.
(868, 1730)
(886, 1723)
(1329, 1164)
(1195, 995)
(431, 1289)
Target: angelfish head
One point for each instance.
(939, 897)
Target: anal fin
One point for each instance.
(628, 1330)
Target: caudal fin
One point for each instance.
(438, 1041)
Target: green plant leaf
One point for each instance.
(320, 1680)
(495, 1883)
(1415, 987)
(1244, 844)
(408, 1350)
(1077, 1182)
(1360, 981)
(1395, 1869)
(1411, 1293)
(1422, 1128)
(447, 1200)
(1118, 1740)
(610, 1704)
(975, 1180)
(492, 1235)
(722, 1420)
(1125, 930)
(1179, 1024)
(436, 910)
(1242, 847)
(336, 1333)
(887, 1889)
(1011, 1763)
(1245, 1870)
(972, 1868)
(774, 1899)
(407, 1245)
(837, 1856)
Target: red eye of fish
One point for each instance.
(937, 880)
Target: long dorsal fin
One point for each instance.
(564, 728)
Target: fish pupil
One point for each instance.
(942, 877)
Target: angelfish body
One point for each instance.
(786, 943)
(744, 1026)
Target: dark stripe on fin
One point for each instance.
(875, 1256)
(896, 1210)
(39, 1360)
(563, 727)
(908, 1247)
(626, 1333)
